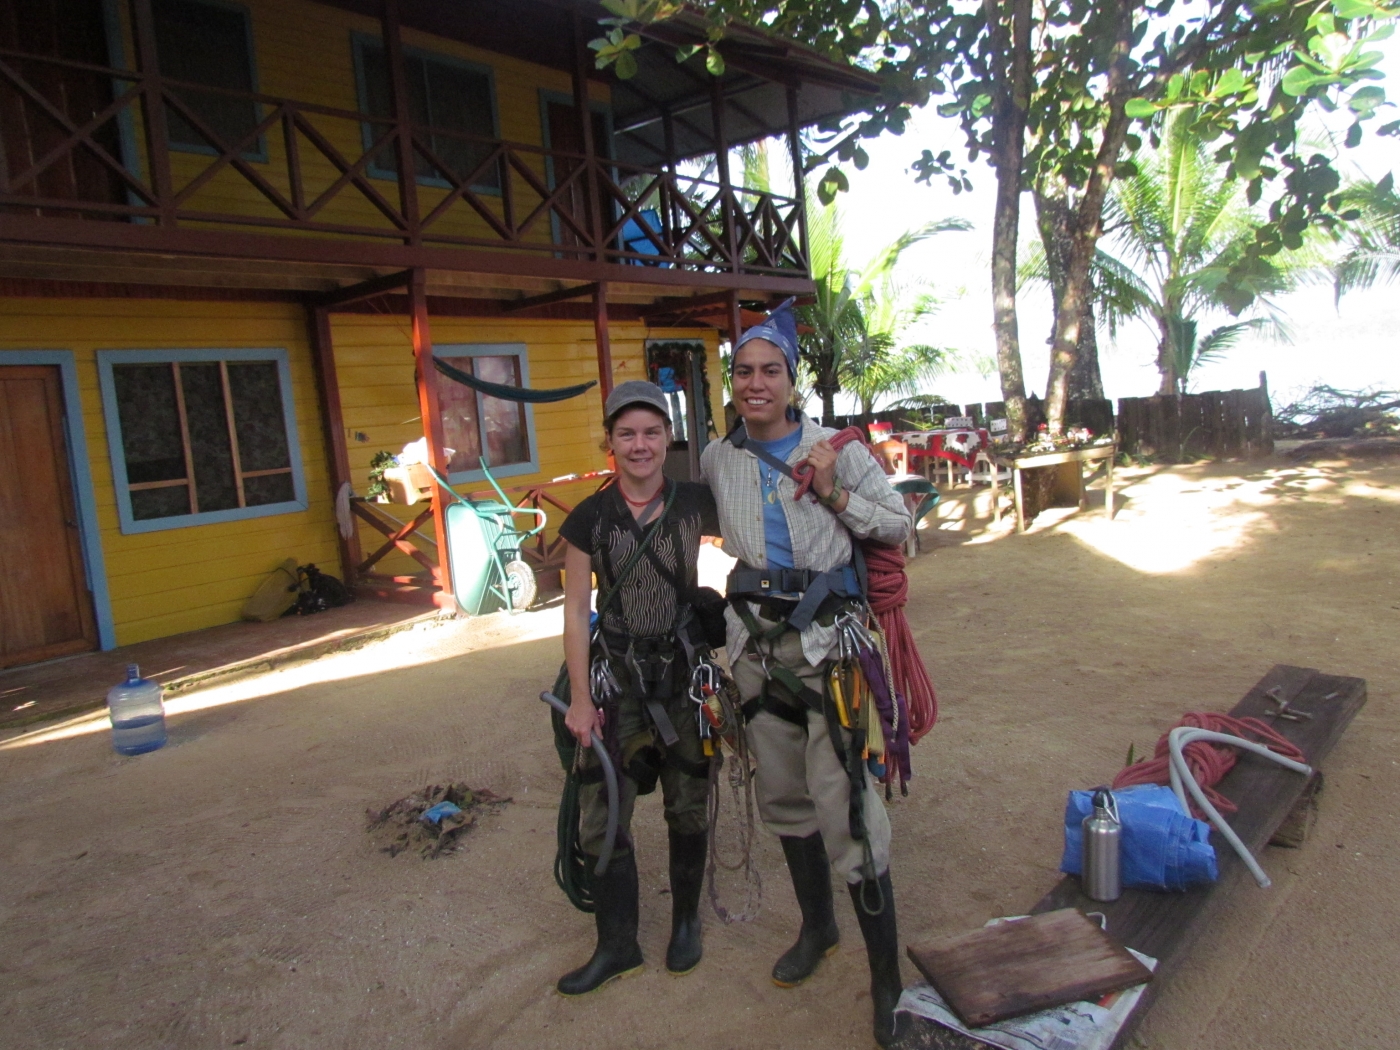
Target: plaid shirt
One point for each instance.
(874, 511)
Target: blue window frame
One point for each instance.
(209, 42)
(449, 96)
(200, 436)
(472, 421)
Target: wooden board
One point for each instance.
(1025, 965)
(1165, 925)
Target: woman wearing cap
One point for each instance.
(648, 722)
(795, 574)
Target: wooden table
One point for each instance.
(925, 447)
(1069, 482)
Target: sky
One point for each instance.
(1354, 346)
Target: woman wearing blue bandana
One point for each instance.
(795, 576)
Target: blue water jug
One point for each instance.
(137, 714)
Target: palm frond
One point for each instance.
(1373, 255)
(1219, 341)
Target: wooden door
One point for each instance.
(45, 607)
(564, 135)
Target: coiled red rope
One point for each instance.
(889, 590)
(1208, 761)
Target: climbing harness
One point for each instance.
(886, 590)
(570, 861)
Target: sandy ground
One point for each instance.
(223, 892)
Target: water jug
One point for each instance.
(137, 714)
(1103, 837)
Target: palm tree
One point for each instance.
(837, 317)
(1373, 253)
(879, 366)
(1172, 232)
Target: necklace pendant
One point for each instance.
(772, 496)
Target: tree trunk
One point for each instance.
(1009, 135)
(1053, 213)
(1165, 358)
(1087, 224)
(827, 392)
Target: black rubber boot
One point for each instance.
(687, 879)
(882, 948)
(811, 881)
(615, 912)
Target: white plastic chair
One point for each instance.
(983, 471)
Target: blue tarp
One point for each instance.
(1163, 846)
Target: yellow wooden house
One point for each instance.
(219, 298)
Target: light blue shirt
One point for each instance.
(776, 537)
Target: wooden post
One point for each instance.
(593, 220)
(671, 188)
(403, 119)
(1108, 485)
(799, 180)
(728, 201)
(604, 341)
(333, 421)
(153, 109)
(432, 424)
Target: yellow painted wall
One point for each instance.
(302, 52)
(176, 580)
(374, 366)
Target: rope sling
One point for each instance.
(888, 594)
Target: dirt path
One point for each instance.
(222, 892)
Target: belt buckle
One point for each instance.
(765, 585)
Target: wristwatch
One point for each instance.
(835, 497)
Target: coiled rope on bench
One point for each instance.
(1208, 762)
(889, 591)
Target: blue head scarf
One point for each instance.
(780, 329)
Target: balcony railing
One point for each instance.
(311, 170)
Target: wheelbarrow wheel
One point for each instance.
(520, 579)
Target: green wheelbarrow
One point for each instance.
(483, 549)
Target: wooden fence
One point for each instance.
(1217, 423)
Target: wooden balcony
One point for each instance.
(308, 183)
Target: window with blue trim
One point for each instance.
(200, 436)
(209, 44)
(452, 103)
(472, 421)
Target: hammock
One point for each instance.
(511, 393)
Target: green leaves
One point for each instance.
(1300, 80)
(833, 181)
(1366, 100)
(615, 49)
(1140, 108)
(1231, 82)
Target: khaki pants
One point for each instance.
(801, 786)
(683, 794)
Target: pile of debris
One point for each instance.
(1326, 412)
(430, 821)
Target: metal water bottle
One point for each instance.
(1102, 839)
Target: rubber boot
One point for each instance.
(687, 879)
(615, 913)
(811, 881)
(882, 948)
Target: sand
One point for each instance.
(223, 891)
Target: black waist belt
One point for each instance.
(814, 587)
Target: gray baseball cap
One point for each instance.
(636, 392)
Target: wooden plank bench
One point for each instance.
(1166, 925)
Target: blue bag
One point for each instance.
(1163, 846)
